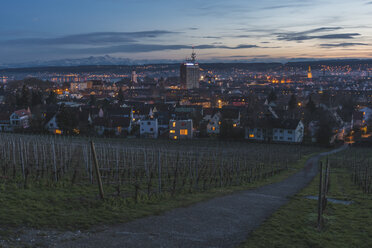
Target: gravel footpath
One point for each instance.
(221, 222)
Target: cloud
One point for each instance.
(99, 38)
(102, 43)
(343, 45)
(313, 34)
(243, 46)
(284, 6)
(243, 56)
(338, 36)
(209, 37)
(140, 48)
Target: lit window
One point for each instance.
(251, 135)
(183, 132)
(213, 128)
(174, 124)
(175, 137)
(234, 125)
(172, 131)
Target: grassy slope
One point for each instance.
(79, 207)
(294, 225)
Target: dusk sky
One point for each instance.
(267, 30)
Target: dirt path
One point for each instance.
(221, 222)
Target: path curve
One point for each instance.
(221, 222)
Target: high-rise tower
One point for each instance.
(134, 77)
(190, 73)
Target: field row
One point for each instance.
(142, 168)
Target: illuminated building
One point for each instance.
(309, 73)
(75, 87)
(190, 73)
(180, 129)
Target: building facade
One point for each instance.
(149, 128)
(20, 119)
(180, 129)
(190, 74)
(288, 131)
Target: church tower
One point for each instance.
(309, 73)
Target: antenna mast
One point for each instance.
(193, 55)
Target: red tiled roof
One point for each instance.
(22, 112)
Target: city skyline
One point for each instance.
(166, 30)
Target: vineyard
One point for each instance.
(358, 163)
(141, 167)
(346, 218)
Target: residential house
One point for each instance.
(180, 129)
(113, 125)
(51, 123)
(276, 130)
(213, 119)
(20, 119)
(289, 130)
(149, 128)
(232, 115)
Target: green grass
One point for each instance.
(294, 225)
(79, 207)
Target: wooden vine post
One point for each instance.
(320, 198)
(99, 179)
(326, 185)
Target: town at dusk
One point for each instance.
(193, 123)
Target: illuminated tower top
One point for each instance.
(309, 74)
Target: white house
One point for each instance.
(149, 128)
(180, 129)
(213, 119)
(20, 119)
(259, 133)
(214, 123)
(289, 131)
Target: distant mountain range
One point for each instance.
(92, 60)
(113, 64)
